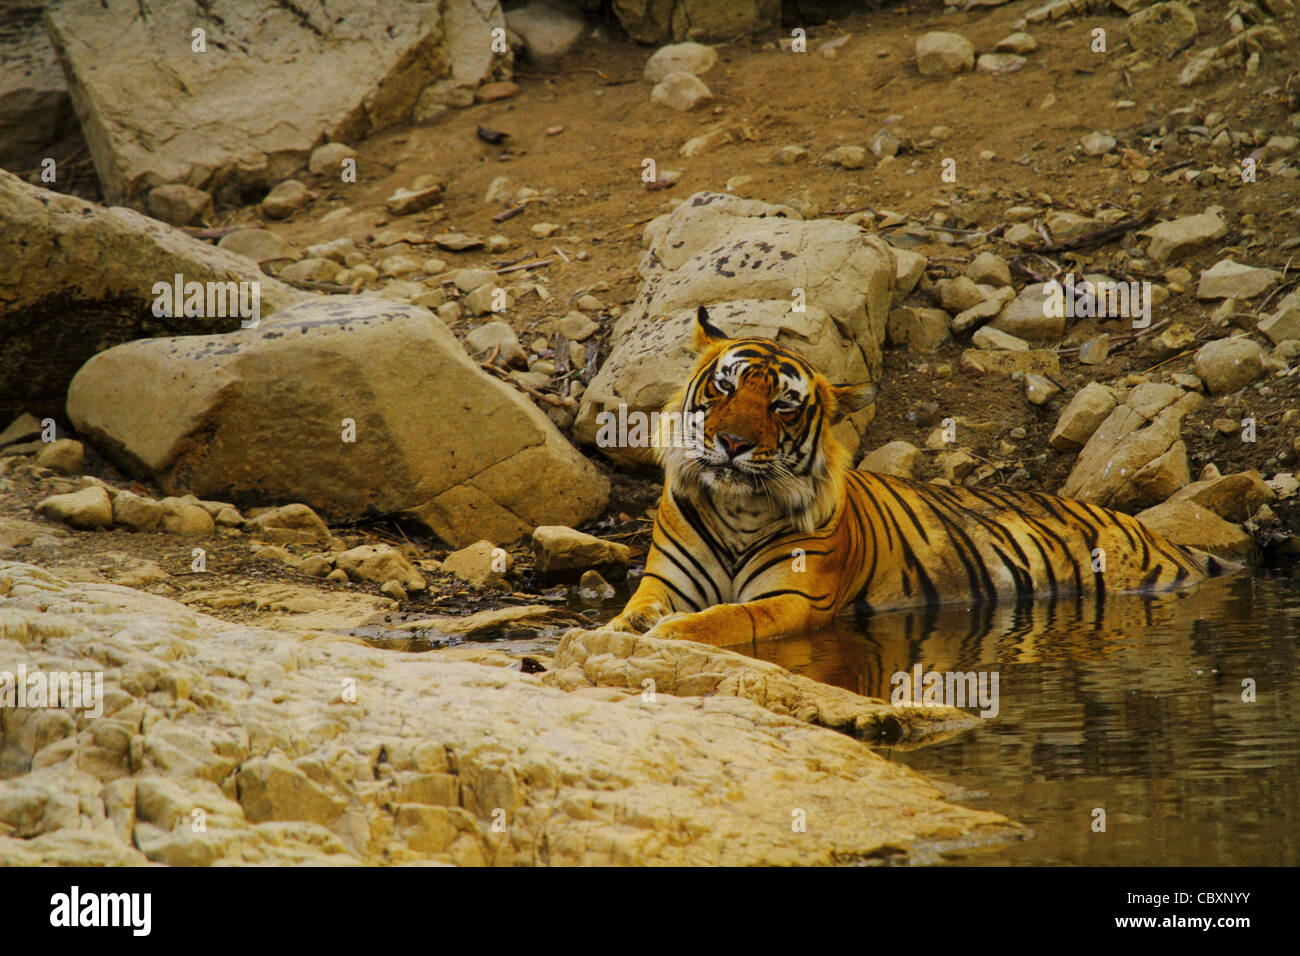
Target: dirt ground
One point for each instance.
(590, 177)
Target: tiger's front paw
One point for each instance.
(638, 620)
(684, 627)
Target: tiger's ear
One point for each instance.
(851, 398)
(706, 333)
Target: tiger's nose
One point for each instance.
(734, 445)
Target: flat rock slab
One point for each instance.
(264, 416)
(156, 112)
(312, 748)
(76, 278)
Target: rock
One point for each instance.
(1281, 326)
(1039, 389)
(789, 155)
(885, 144)
(1136, 458)
(939, 53)
(319, 66)
(403, 202)
(377, 564)
(285, 199)
(959, 294)
(1232, 497)
(985, 309)
(63, 456)
(657, 21)
(1095, 351)
(1227, 365)
(317, 565)
(589, 303)
(705, 142)
(1009, 361)
(910, 268)
(1098, 144)
(1020, 234)
(22, 429)
(680, 91)
(289, 524)
(1024, 317)
(457, 241)
(399, 265)
(185, 518)
(338, 250)
(593, 589)
(743, 258)
(482, 564)
(693, 58)
(498, 338)
(562, 554)
(328, 158)
(179, 205)
(1017, 43)
(1232, 280)
(136, 512)
(1193, 525)
(896, 458)
(1177, 239)
(472, 458)
(1089, 407)
(921, 330)
(76, 278)
(999, 62)
(1161, 29)
(987, 338)
(87, 509)
(260, 245)
(36, 115)
(576, 327)
(548, 29)
(849, 157)
(989, 269)
(491, 92)
(955, 465)
(270, 716)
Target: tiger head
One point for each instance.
(755, 424)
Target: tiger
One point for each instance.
(763, 530)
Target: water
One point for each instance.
(1134, 707)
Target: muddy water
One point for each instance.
(1135, 708)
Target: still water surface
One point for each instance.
(1135, 707)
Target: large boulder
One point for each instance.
(658, 21)
(76, 278)
(36, 117)
(328, 751)
(263, 416)
(316, 72)
(742, 259)
(1136, 457)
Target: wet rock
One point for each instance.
(680, 91)
(693, 58)
(179, 205)
(471, 459)
(87, 509)
(1227, 365)
(285, 199)
(1089, 407)
(939, 53)
(1161, 29)
(1232, 280)
(482, 564)
(594, 589)
(1174, 240)
(289, 524)
(1185, 522)
(1136, 458)
(562, 554)
(896, 458)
